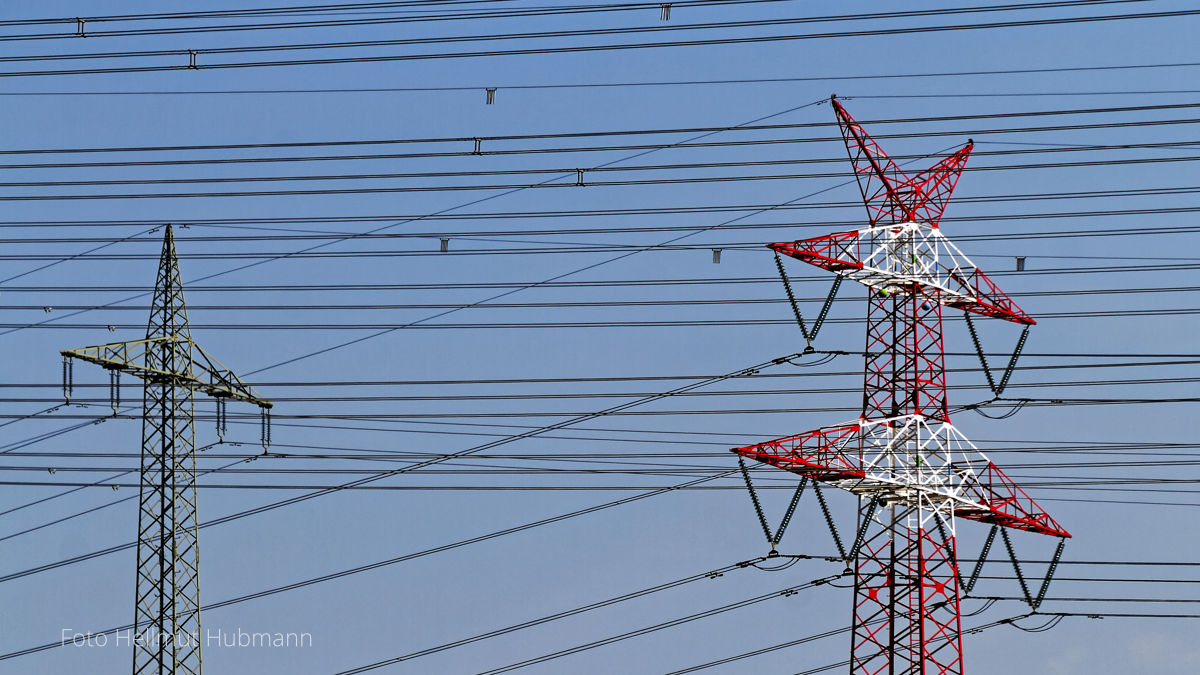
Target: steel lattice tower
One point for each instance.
(167, 634)
(912, 471)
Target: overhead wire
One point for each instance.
(653, 83)
(385, 327)
(821, 389)
(184, 64)
(441, 15)
(414, 466)
(535, 171)
(646, 630)
(362, 568)
(1026, 149)
(457, 207)
(560, 304)
(517, 236)
(552, 183)
(713, 574)
(749, 126)
(14, 446)
(250, 11)
(244, 223)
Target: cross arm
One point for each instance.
(833, 252)
(206, 374)
(826, 454)
(930, 260)
(976, 488)
(1000, 501)
(978, 294)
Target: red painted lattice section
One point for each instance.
(906, 607)
(891, 196)
(831, 454)
(844, 252)
(906, 604)
(1007, 504)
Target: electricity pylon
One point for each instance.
(912, 471)
(167, 637)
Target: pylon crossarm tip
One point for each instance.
(224, 382)
(820, 454)
(1004, 502)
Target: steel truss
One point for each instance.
(167, 634)
(912, 471)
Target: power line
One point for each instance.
(517, 236)
(552, 183)
(657, 83)
(472, 202)
(783, 593)
(584, 325)
(794, 161)
(562, 304)
(472, 153)
(188, 60)
(526, 396)
(410, 467)
(260, 11)
(233, 223)
(80, 24)
(751, 126)
(344, 573)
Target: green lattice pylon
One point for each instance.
(167, 638)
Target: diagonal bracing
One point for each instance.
(912, 471)
(166, 639)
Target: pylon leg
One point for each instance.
(906, 597)
(167, 592)
(167, 606)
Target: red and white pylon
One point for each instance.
(912, 471)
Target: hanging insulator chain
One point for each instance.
(983, 554)
(222, 424)
(987, 372)
(791, 509)
(837, 540)
(1017, 567)
(266, 427)
(792, 298)
(1062, 542)
(872, 503)
(762, 519)
(114, 390)
(837, 281)
(997, 389)
(1012, 363)
(68, 377)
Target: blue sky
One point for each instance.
(392, 392)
